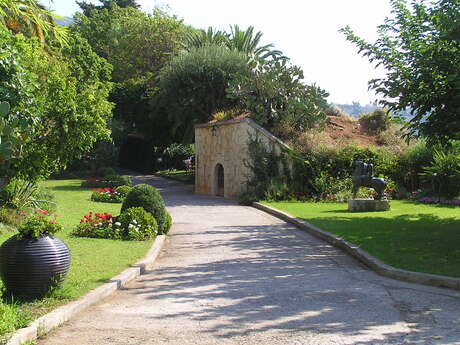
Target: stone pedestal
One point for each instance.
(368, 205)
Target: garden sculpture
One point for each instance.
(362, 177)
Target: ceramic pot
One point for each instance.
(31, 267)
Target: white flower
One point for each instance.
(134, 221)
(117, 223)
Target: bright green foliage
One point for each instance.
(135, 43)
(38, 225)
(193, 86)
(137, 224)
(149, 198)
(59, 104)
(420, 48)
(277, 99)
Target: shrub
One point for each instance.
(375, 122)
(123, 191)
(107, 182)
(106, 171)
(149, 199)
(444, 173)
(136, 224)
(168, 224)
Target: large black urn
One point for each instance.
(30, 267)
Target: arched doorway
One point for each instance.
(219, 180)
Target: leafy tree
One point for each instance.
(275, 96)
(88, 7)
(193, 86)
(62, 99)
(138, 46)
(420, 49)
(30, 18)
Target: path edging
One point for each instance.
(57, 317)
(363, 256)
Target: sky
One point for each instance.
(307, 31)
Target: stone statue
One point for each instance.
(362, 177)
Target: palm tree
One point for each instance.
(201, 38)
(245, 41)
(31, 19)
(249, 43)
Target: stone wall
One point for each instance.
(225, 143)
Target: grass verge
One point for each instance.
(94, 261)
(411, 236)
(184, 176)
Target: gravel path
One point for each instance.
(235, 275)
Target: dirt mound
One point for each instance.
(346, 128)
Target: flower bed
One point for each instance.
(133, 224)
(113, 195)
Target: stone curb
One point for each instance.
(370, 261)
(62, 314)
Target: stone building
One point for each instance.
(221, 151)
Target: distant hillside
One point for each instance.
(356, 110)
(64, 21)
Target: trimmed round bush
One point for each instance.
(137, 224)
(168, 224)
(149, 198)
(123, 191)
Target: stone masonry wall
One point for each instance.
(224, 143)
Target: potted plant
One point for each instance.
(34, 261)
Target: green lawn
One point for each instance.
(184, 176)
(94, 261)
(411, 236)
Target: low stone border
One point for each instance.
(370, 261)
(62, 314)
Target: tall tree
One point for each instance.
(420, 49)
(87, 7)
